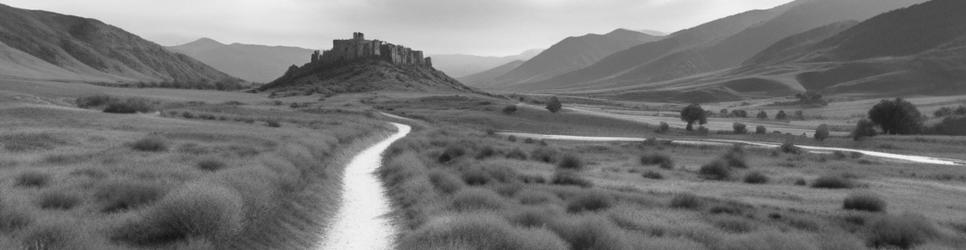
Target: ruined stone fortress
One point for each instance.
(360, 48)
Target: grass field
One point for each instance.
(209, 170)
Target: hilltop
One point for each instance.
(360, 65)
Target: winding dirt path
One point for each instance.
(361, 221)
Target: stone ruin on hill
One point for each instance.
(359, 48)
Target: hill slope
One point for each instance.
(93, 51)
(255, 63)
(465, 65)
(488, 77)
(574, 53)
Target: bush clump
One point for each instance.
(761, 130)
(756, 178)
(735, 157)
(516, 154)
(570, 179)
(590, 201)
(832, 182)
(716, 170)
(822, 132)
(663, 128)
(650, 174)
(125, 195)
(510, 109)
(590, 232)
(451, 153)
(445, 182)
(904, 231)
(545, 154)
(32, 179)
(211, 165)
(150, 144)
(659, 159)
(273, 123)
(686, 201)
(58, 201)
(571, 162)
(864, 202)
(197, 210)
(739, 128)
(473, 199)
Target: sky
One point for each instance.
(477, 27)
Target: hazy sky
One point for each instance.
(482, 27)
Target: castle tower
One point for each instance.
(358, 36)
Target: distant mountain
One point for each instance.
(629, 59)
(465, 65)
(574, 53)
(256, 63)
(46, 45)
(360, 65)
(787, 49)
(486, 78)
(653, 32)
(733, 49)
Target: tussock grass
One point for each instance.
(733, 224)
(52, 236)
(12, 220)
(832, 182)
(58, 200)
(32, 179)
(735, 157)
(756, 177)
(662, 160)
(538, 217)
(517, 154)
(445, 182)
(196, 210)
(122, 195)
(865, 202)
(150, 144)
(715, 170)
(474, 199)
(478, 231)
(451, 153)
(903, 231)
(768, 240)
(590, 232)
(686, 201)
(211, 165)
(568, 178)
(594, 201)
(571, 162)
(536, 197)
(24, 142)
(654, 175)
(545, 154)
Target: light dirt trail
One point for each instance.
(361, 221)
(720, 142)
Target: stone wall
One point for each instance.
(360, 48)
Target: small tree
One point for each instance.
(663, 127)
(864, 128)
(761, 130)
(821, 133)
(781, 115)
(694, 113)
(762, 115)
(739, 128)
(554, 105)
(896, 117)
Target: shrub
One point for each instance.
(800, 182)
(554, 105)
(197, 210)
(832, 182)
(822, 132)
(739, 128)
(652, 175)
(486, 152)
(660, 159)
(512, 138)
(686, 201)
(150, 144)
(476, 177)
(58, 201)
(510, 109)
(211, 165)
(544, 154)
(94, 101)
(761, 130)
(570, 179)
(789, 148)
(529, 141)
(864, 128)
(781, 115)
(756, 178)
(32, 179)
(451, 153)
(445, 182)
(571, 162)
(187, 115)
(129, 106)
(124, 195)
(865, 202)
(762, 115)
(517, 154)
(273, 123)
(590, 201)
(472, 199)
(735, 157)
(716, 170)
(904, 231)
(478, 231)
(590, 232)
(663, 127)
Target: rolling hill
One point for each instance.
(51, 46)
(487, 77)
(255, 63)
(571, 54)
